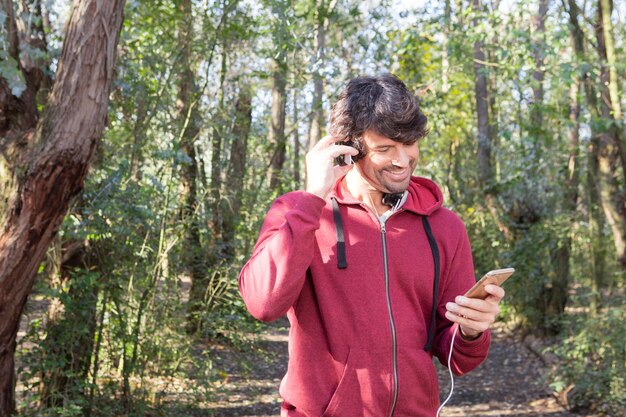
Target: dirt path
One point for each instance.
(508, 383)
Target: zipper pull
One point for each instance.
(383, 229)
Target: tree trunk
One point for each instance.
(317, 111)
(482, 110)
(481, 93)
(556, 291)
(194, 253)
(445, 47)
(58, 155)
(536, 111)
(611, 158)
(236, 169)
(296, 141)
(596, 227)
(595, 217)
(277, 137)
(606, 8)
(215, 223)
(139, 136)
(223, 249)
(557, 295)
(538, 46)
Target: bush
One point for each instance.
(593, 361)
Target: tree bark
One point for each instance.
(277, 137)
(606, 8)
(595, 217)
(296, 140)
(484, 130)
(194, 253)
(482, 109)
(319, 50)
(57, 158)
(557, 295)
(610, 152)
(236, 169)
(139, 135)
(536, 111)
(215, 224)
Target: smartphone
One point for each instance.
(495, 277)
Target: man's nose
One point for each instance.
(401, 158)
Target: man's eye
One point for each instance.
(383, 149)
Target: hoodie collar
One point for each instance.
(424, 196)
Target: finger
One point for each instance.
(495, 292)
(338, 150)
(325, 142)
(473, 303)
(467, 323)
(488, 314)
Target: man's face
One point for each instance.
(388, 165)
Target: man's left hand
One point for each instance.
(474, 315)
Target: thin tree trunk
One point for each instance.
(557, 296)
(296, 141)
(481, 93)
(194, 253)
(60, 150)
(596, 227)
(317, 110)
(277, 137)
(538, 45)
(556, 291)
(595, 217)
(482, 109)
(139, 136)
(606, 7)
(215, 224)
(611, 158)
(445, 47)
(236, 169)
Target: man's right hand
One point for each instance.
(321, 171)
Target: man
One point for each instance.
(368, 266)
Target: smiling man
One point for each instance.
(369, 267)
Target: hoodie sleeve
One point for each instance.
(459, 277)
(271, 281)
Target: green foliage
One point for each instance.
(10, 72)
(522, 218)
(593, 361)
(55, 365)
(128, 300)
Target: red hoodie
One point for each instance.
(357, 337)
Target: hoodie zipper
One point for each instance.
(392, 324)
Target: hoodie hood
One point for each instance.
(424, 196)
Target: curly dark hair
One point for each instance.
(383, 104)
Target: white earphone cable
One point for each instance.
(456, 329)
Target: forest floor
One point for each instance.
(509, 383)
